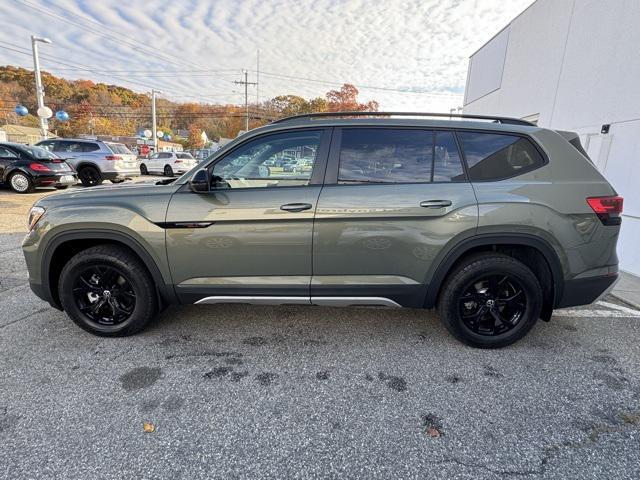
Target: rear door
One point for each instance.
(249, 238)
(392, 199)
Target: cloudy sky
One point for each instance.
(407, 54)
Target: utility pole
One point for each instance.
(154, 126)
(44, 124)
(246, 84)
(258, 79)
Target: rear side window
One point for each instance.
(374, 155)
(495, 157)
(118, 148)
(90, 147)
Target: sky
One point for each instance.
(406, 54)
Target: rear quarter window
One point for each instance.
(493, 156)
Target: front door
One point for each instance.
(393, 198)
(7, 157)
(249, 239)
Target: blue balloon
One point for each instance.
(166, 137)
(21, 110)
(62, 116)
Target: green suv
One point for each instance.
(493, 221)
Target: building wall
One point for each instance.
(575, 64)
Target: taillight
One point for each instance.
(113, 157)
(608, 209)
(177, 161)
(38, 167)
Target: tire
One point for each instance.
(117, 180)
(494, 315)
(90, 176)
(143, 170)
(132, 296)
(21, 183)
(168, 171)
(61, 187)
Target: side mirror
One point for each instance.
(200, 182)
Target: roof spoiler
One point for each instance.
(574, 139)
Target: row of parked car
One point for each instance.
(62, 162)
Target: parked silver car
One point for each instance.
(95, 160)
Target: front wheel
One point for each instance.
(143, 170)
(490, 301)
(106, 290)
(168, 171)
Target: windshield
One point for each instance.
(39, 153)
(119, 148)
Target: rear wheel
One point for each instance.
(90, 176)
(21, 183)
(168, 171)
(143, 170)
(106, 290)
(490, 301)
(117, 180)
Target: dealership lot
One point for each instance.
(307, 392)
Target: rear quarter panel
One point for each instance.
(550, 203)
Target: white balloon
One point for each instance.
(147, 133)
(45, 112)
(159, 134)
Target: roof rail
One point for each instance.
(505, 120)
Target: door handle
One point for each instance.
(295, 207)
(435, 203)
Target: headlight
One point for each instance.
(34, 215)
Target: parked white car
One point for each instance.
(167, 163)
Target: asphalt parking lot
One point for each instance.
(308, 392)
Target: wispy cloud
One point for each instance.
(420, 47)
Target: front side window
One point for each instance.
(376, 155)
(494, 157)
(279, 160)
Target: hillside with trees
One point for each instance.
(99, 108)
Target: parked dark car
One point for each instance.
(25, 167)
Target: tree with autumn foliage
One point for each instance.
(346, 100)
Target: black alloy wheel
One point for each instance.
(104, 295)
(108, 291)
(490, 300)
(492, 305)
(90, 176)
(168, 171)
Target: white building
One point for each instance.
(573, 65)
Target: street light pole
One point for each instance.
(44, 124)
(154, 126)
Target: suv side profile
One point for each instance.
(167, 163)
(494, 223)
(95, 160)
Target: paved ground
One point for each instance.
(309, 392)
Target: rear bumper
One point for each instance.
(584, 291)
(120, 174)
(54, 180)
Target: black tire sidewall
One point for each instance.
(85, 181)
(168, 171)
(480, 267)
(131, 269)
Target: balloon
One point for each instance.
(62, 116)
(159, 133)
(166, 137)
(147, 133)
(45, 112)
(21, 110)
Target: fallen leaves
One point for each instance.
(148, 427)
(433, 432)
